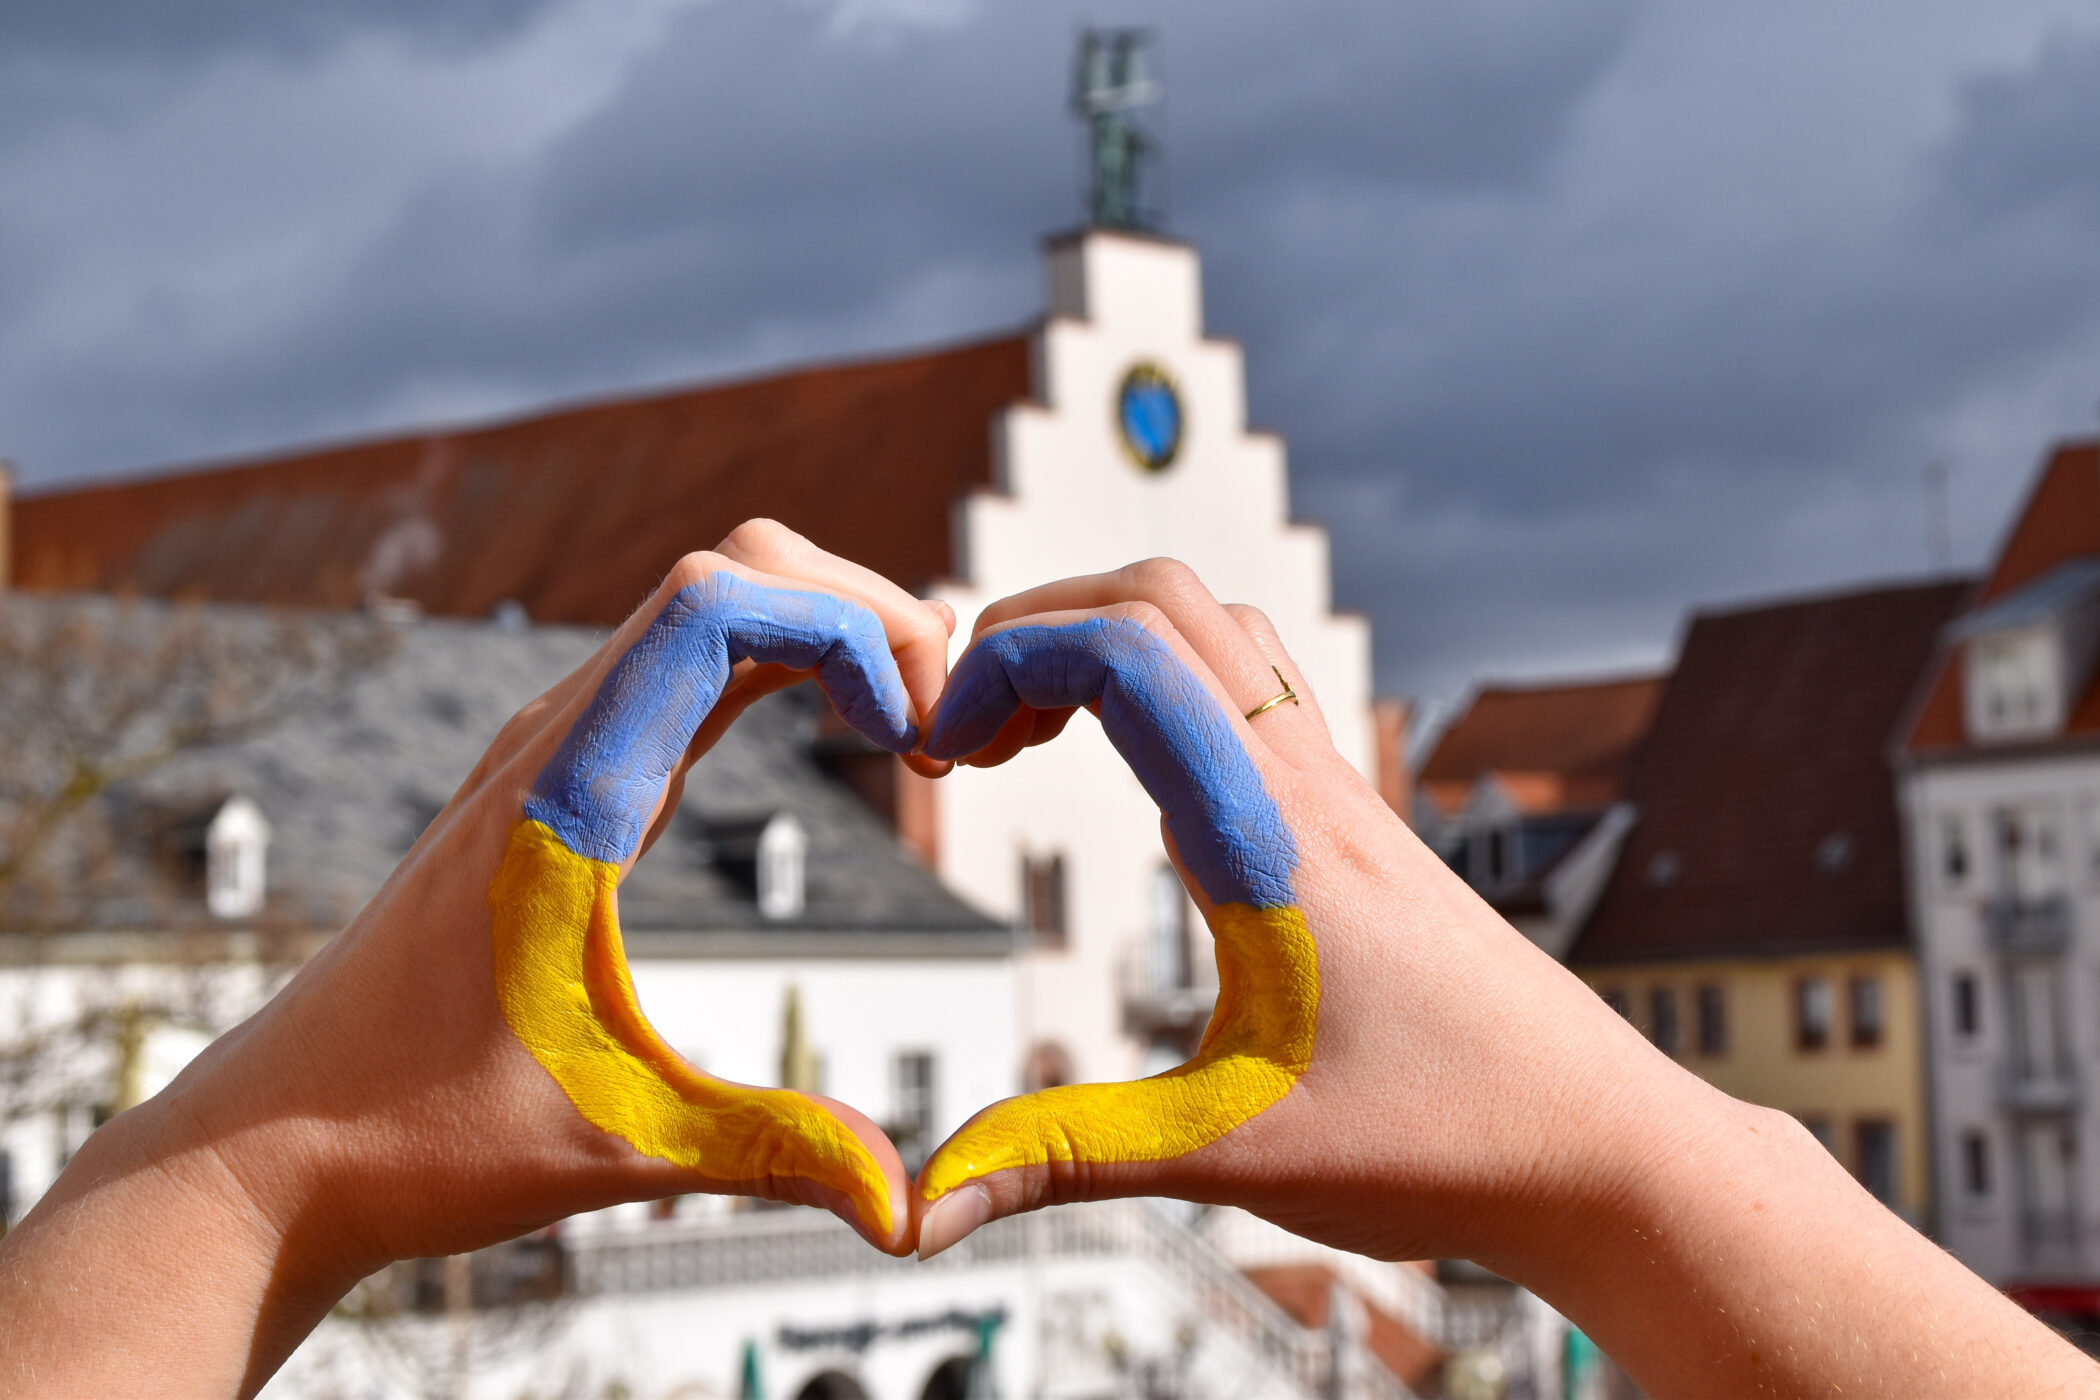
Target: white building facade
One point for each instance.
(1062, 839)
(2000, 794)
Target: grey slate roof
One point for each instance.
(2067, 584)
(348, 785)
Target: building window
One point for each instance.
(1874, 1157)
(2010, 679)
(1169, 921)
(1821, 1130)
(2048, 1162)
(1048, 1066)
(1954, 850)
(1615, 998)
(911, 1107)
(1865, 995)
(783, 864)
(1662, 1019)
(2089, 825)
(1976, 1165)
(2038, 1029)
(1713, 1020)
(2030, 858)
(1968, 1017)
(1043, 899)
(1812, 1013)
(236, 845)
(1497, 857)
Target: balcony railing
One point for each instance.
(2040, 1089)
(1160, 998)
(775, 1247)
(2032, 926)
(2049, 1239)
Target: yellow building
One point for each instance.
(1833, 1040)
(1754, 924)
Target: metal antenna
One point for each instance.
(1939, 525)
(1112, 93)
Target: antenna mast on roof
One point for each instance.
(1939, 528)
(1113, 96)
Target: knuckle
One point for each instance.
(692, 569)
(1251, 617)
(763, 538)
(1149, 616)
(1165, 577)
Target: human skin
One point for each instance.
(1460, 1095)
(1465, 1096)
(380, 1107)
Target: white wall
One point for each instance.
(1075, 503)
(725, 1015)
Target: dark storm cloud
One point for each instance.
(165, 31)
(1572, 313)
(2031, 139)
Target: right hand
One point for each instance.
(1390, 1067)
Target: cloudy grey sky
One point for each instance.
(1575, 314)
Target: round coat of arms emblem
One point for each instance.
(1148, 416)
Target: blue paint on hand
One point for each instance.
(598, 790)
(1167, 725)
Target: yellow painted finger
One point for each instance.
(563, 986)
(1259, 1041)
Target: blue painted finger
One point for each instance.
(598, 790)
(1167, 725)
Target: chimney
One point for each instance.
(1389, 726)
(7, 528)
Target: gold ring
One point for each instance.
(1273, 701)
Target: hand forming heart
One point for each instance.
(561, 976)
(1389, 1068)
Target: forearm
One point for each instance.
(151, 1269)
(1734, 1256)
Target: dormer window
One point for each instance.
(2011, 684)
(2027, 657)
(236, 845)
(783, 857)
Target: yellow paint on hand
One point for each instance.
(564, 989)
(1260, 1039)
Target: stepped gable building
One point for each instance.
(1522, 796)
(1754, 926)
(1112, 430)
(2001, 799)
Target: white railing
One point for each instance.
(783, 1246)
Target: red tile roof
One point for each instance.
(1766, 801)
(2060, 521)
(574, 514)
(1562, 746)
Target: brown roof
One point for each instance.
(2060, 521)
(575, 514)
(1306, 1292)
(1766, 803)
(1553, 746)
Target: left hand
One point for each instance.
(465, 1062)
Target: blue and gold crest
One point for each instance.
(1148, 416)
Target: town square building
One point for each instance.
(2001, 800)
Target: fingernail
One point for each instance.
(952, 1217)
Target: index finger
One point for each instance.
(917, 630)
(1165, 714)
